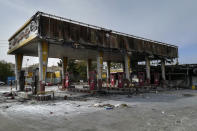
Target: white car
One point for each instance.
(2, 83)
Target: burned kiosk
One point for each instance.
(50, 36)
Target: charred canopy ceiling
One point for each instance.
(60, 31)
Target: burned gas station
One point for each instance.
(49, 36)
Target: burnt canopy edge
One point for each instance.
(54, 28)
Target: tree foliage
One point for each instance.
(78, 68)
(5, 71)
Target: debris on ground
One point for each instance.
(107, 108)
(188, 95)
(117, 105)
(148, 123)
(121, 105)
(102, 92)
(22, 100)
(124, 105)
(9, 94)
(178, 121)
(5, 107)
(32, 102)
(97, 105)
(110, 106)
(172, 115)
(12, 97)
(78, 99)
(103, 105)
(65, 97)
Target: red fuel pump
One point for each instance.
(112, 80)
(63, 84)
(92, 80)
(156, 78)
(141, 77)
(120, 80)
(67, 83)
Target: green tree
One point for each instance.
(5, 71)
(82, 69)
(72, 67)
(78, 68)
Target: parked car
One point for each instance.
(2, 83)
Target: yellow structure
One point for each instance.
(193, 87)
(57, 74)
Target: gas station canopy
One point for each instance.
(78, 40)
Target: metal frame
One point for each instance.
(105, 29)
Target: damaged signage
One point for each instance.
(28, 31)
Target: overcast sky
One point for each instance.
(170, 21)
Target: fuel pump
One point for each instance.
(141, 77)
(112, 79)
(35, 81)
(92, 81)
(63, 83)
(22, 80)
(67, 83)
(120, 80)
(156, 78)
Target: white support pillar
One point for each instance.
(64, 69)
(163, 69)
(127, 66)
(89, 64)
(148, 77)
(99, 69)
(18, 67)
(43, 48)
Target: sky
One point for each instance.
(169, 21)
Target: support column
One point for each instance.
(148, 77)
(127, 67)
(43, 48)
(89, 64)
(18, 67)
(64, 70)
(99, 69)
(163, 70)
(123, 66)
(108, 72)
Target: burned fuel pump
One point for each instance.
(156, 78)
(35, 81)
(22, 80)
(113, 80)
(120, 80)
(141, 77)
(92, 81)
(67, 82)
